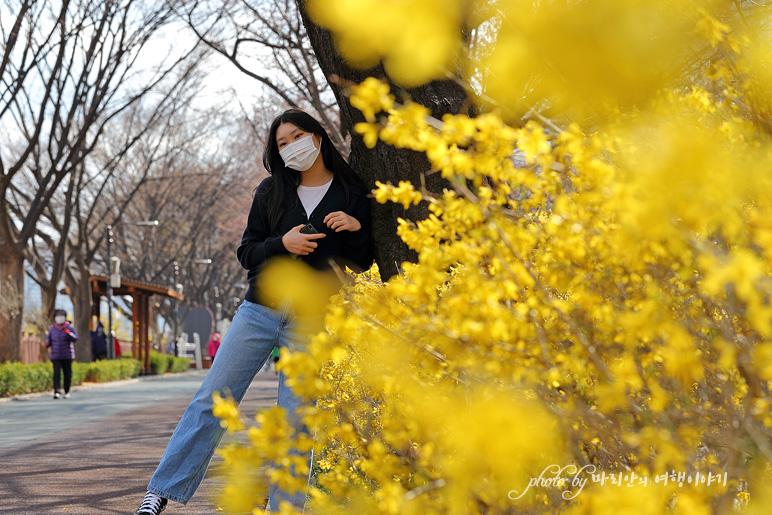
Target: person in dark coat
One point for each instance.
(315, 208)
(99, 342)
(61, 340)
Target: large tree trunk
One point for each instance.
(48, 305)
(156, 336)
(384, 163)
(79, 286)
(11, 302)
(48, 287)
(48, 300)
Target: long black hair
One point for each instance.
(286, 180)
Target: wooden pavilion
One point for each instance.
(140, 293)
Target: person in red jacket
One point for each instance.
(117, 347)
(61, 340)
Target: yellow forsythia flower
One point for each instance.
(228, 412)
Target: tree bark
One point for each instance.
(47, 290)
(156, 341)
(79, 287)
(384, 163)
(11, 303)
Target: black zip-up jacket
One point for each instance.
(259, 243)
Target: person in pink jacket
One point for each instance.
(214, 344)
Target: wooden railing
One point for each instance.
(30, 349)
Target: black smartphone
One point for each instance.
(309, 229)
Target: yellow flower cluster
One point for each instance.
(518, 54)
(228, 413)
(404, 194)
(368, 31)
(267, 456)
(370, 97)
(586, 295)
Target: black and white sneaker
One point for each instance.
(56, 395)
(152, 504)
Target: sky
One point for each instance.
(222, 78)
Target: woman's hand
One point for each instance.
(298, 243)
(340, 221)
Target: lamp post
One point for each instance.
(109, 237)
(178, 288)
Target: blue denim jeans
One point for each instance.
(247, 345)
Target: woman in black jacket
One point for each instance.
(312, 207)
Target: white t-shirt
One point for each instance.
(310, 196)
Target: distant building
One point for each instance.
(32, 297)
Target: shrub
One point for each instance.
(158, 363)
(21, 378)
(130, 367)
(102, 371)
(162, 363)
(38, 377)
(178, 364)
(109, 370)
(79, 371)
(587, 299)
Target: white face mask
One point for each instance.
(301, 154)
(59, 319)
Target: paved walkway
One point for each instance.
(95, 452)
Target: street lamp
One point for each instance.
(109, 234)
(178, 288)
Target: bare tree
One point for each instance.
(79, 207)
(266, 40)
(384, 163)
(94, 207)
(67, 69)
(201, 196)
(11, 300)
(274, 42)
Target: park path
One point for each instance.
(95, 452)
